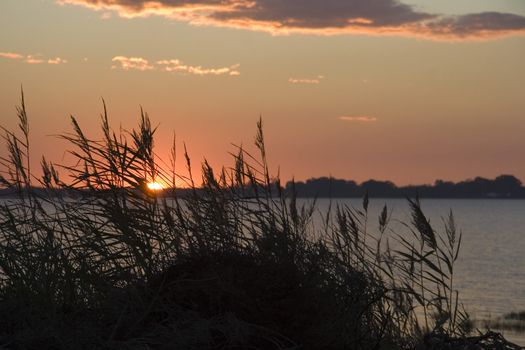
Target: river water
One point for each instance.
(490, 271)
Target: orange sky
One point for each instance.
(405, 91)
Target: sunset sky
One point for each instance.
(409, 91)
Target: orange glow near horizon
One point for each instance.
(349, 89)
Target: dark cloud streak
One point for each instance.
(478, 23)
(321, 17)
(327, 13)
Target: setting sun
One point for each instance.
(154, 186)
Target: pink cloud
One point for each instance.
(127, 63)
(177, 66)
(11, 55)
(359, 118)
(56, 60)
(310, 81)
(31, 59)
(171, 66)
(326, 17)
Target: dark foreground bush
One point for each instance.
(103, 262)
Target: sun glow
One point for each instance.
(154, 186)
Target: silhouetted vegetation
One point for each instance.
(519, 316)
(503, 186)
(119, 267)
(512, 321)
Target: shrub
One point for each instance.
(100, 261)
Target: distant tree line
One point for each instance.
(503, 186)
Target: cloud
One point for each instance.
(127, 63)
(56, 60)
(306, 80)
(177, 66)
(359, 118)
(31, 59)
(379, 17)
(11, 55)
(482, 25)
(171, 66)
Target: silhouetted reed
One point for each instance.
(100, 261)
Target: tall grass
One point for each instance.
(99, 261)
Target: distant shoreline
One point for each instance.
(501, 187)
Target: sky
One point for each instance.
(409, 91)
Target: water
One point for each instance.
(490, 271)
